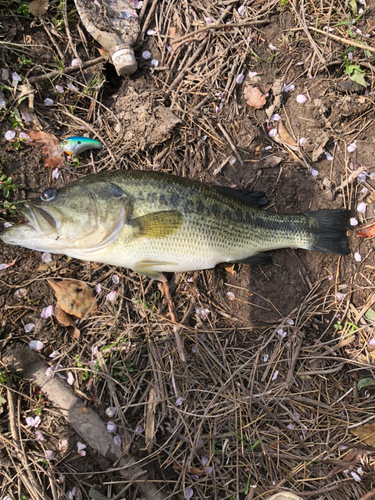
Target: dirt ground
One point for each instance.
(275, 355)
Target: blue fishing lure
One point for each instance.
(77, 145)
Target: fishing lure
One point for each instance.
(77, 145)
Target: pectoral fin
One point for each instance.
(158, 224)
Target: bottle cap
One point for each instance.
(124, 61)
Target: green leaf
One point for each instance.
(365, 382)
(358, 76)
(353, 5)
(370, 314)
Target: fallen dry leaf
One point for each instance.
(285, 137)
(150, 419)
(53, 155)
(73, 297)
(254, 97)
(38, 7)
(66, 320)
(367, 232)
(284, 495)
(190, 470)
(365, 433)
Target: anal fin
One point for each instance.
(259, 259)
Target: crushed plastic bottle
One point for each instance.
(114, 24)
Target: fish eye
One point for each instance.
(48, 194)
(79, 142)
(65, 142)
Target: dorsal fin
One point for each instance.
(255, 199)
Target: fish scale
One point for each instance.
(153, 222)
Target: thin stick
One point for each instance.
(217, 27)
(172, 313)
(344, 40)
(68, 70)
(234, 149)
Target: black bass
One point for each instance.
(153, 222)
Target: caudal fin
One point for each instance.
(331, 231)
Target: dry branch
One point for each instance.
(84, 420)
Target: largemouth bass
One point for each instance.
(153, 222)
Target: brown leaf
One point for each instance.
(150, 419)
(66, 320)
(53, 155)
(365, 433)
(286, 137)
(73, 297)
(38, 7)
(367, 232)
(254, 97)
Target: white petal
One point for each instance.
(110, 411)
(362, 207)
(70, 378)
(288, 88)
(146, 55)
(111, 296)
(355, 476)
(239, 78)
(188, 493)
(29, 327)
(357, 257)
(48, 102)
(9, 135)
(46, 257)
(329, 156)
(272, 132)
(55, 173)
(47, 312)
(353, 221)
(301, 99)
(36, 345)
(111, 426)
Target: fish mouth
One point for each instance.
(39, 219)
